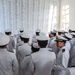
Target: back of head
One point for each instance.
(25, 37)
(42, 41)
(8, 32)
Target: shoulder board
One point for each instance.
(63, 50)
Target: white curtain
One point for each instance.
(27, 14)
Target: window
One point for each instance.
(52, 18)
(65, 17)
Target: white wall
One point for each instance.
(71, 4)
(72, 14)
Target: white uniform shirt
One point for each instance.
(52, 44)
(34, 40)
(11, 44)
(68, 45)
(23, 51)
(8, 63)
(73, 41)
(40, 63)
(43, 61)
(17, 45)
(62, 61)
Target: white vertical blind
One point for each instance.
(27, 14)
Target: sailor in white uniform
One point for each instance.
(62, 59)
(24, 49)
(42, 61)
(34, 40)
(52, 43)
(11, 44)
(72, 70)
(68, 42)
(18, 35)
(73, 39)
(8, 61)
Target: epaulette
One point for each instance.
(63, 50)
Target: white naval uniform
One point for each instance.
(61, 62)
(72, 57)
(73, 41)
(18, 37)
(8, 63)
(34, 40)
(17, 45)
(23, 50)
(72, 70)
(52, 44)
(41, 64)
(43, 61)
(68, 45)
(11, 44)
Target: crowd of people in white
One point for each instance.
(45, 55)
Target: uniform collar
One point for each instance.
(3, 49)
(43, 49)
(63, 47)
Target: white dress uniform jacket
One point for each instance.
(61, 62)
(68, 45)
(11, 44)
(52, 44)
(34, 40)
(8, 63)
(23, 50)
(43, 61)
(73, 41)
(72, 71)
(18, 37)
(72, 57)
(17, 45)
(39, 63)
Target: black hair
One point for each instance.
(43, 44)
(24, 39)
(37, 33)
(21, 31)
(34, 49)
(54, 34)
(7, 33)
(59, 33)
(4, 46)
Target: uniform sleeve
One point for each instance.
(64, 62)
(15, 66)
(27, 62)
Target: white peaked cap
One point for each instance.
(25, 35)
(35, 45)
(42, 38)
(73, 33)
(42, 34)
(4, 39)
(61, 31)
(8, 30)
(68, 35)
(60, 38)
(38, 30)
